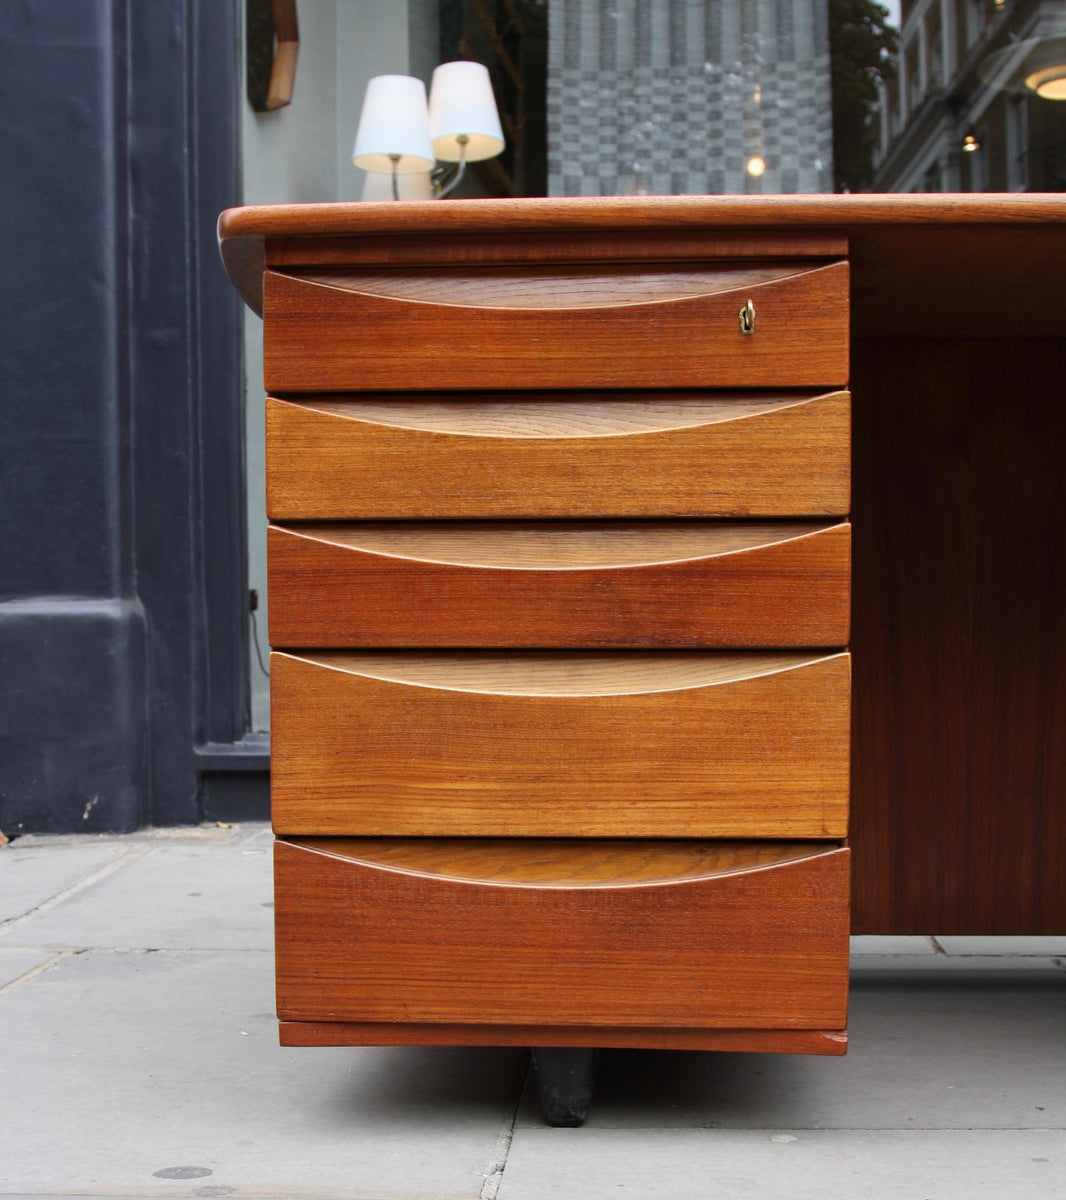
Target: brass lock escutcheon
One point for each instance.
(747, 318)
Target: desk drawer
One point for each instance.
(557, 327)
(556, 744)
(497, 584)
(634, 455)
(674, 934)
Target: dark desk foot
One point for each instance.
(565, 1077)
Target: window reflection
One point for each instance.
(683, 97)
(615, 97)
(964, 114)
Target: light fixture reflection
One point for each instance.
(756, 165)
(1034, 66)
(1049, 83)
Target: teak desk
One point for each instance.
(560, 588)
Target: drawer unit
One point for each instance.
(631, 454)
(559, 597)
(646, 326)
(561, 744)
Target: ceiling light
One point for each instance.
(1035, 66)
(1048, 83)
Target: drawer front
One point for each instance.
(639, 455)
(557, 328)
(556, 744)
(691, 935)
(683, 583)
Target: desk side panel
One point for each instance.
(959, 820)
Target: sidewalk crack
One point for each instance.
(86, 881)
(500, 1151)
(39, 969)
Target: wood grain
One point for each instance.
(486, 584)
(318, 337)
(960, 645)
(762, 948)
(573, 673)
(565, 863)
(564, 287)
(537, 416)
(558, 545)
(395, 1033)
(554, 744)
(639, 213)
(641, 455)
(588, 246)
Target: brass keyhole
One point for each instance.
(747, 318)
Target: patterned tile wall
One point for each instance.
(676, 96)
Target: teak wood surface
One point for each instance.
(489, 585)
(596, 744)
(959, 819)
(568, 289)
(321, 336)
(765, 947)
(620, 454)
(587, 247)
(408, 1033)
(564, 862)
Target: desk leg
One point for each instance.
(565, 1077)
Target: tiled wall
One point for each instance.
(675, 96)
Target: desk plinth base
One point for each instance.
(756, 1041)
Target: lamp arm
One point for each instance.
(442, 182)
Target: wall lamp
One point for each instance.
(400, 134)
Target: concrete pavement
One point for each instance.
(139, 1057)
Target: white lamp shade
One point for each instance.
(412, 185)
(461, 103)
(394, 121)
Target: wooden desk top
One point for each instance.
(990, 265)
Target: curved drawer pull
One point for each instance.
(602, 863)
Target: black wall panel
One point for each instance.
(122, 556)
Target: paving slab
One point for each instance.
(891, 945)
(1043, 947)
(145, 1063)
(175, 895)
(924, 1052)
(159, 1074)
(16, 963)
(33, 870)
(960, 966)
(718, 1164)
